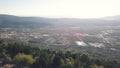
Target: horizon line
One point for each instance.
(56, 16)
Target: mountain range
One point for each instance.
(34, 22)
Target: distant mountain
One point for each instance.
(117, 17)
(35, 22)
(16, 21)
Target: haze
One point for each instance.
(61, 8)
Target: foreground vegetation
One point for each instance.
(22, 55)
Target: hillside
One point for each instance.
(16, 21)
(22, 55)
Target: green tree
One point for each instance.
(23, 59)
(95, 66)
(57, 61)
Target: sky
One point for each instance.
(61, 8)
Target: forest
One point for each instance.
(22, 55)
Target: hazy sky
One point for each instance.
(61, 8)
